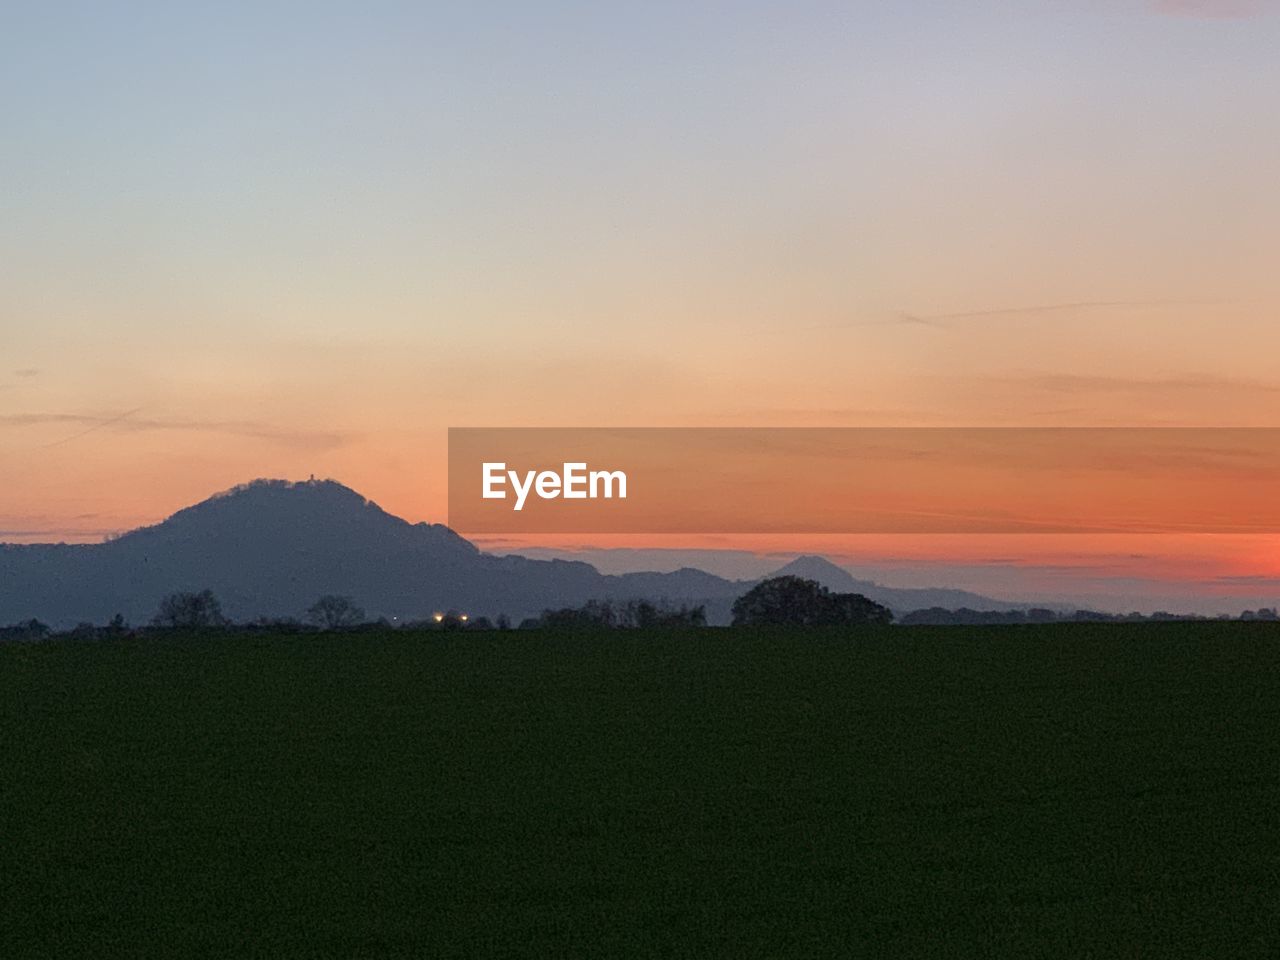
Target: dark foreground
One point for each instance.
(1071, 791)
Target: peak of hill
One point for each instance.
(899, 599)
(314, 511)
(824, 572)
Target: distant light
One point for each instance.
(463, 618)
(439, 617)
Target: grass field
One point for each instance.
(1071, 791)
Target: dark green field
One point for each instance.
(1071, 791)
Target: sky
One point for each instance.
(284, 239)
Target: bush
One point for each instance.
(794, 601)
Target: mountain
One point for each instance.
(271, 547)
(898, 599)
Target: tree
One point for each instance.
(333, 612)
(854, 608)
(645, 614)
(594, 614)
(631, 615)
(190, 611)
(794, 601)
(27, 630)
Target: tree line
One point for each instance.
(779, 601)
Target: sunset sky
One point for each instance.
(279, 239)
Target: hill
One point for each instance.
(898, 599)
(271, 547)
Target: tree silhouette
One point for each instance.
(633, 614)
(333, 612)
(26, 630)
(190, 611)
(794, 601)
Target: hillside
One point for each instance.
(269, 548)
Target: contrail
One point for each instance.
(96, 426)
(898, 319)
(1059, 308)
(943, 320)
(911, 318)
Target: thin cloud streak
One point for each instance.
(1213, 9)
(128, 421)
(899, 319)
(903, 318)
(941, 319)
(1083, 384)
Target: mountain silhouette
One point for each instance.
(898, 599)
(271, 547)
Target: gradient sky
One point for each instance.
(276, 239)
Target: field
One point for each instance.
(1069, 791)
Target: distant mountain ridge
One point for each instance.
(898, 599)
(271, 547)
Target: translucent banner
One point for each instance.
(864, 480)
